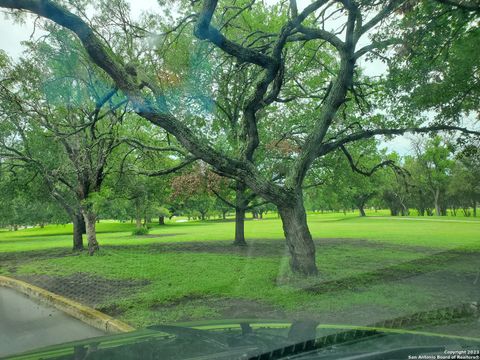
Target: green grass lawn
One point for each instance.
(370, 268)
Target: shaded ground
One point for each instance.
(425, 268)
(158, 235)
(226, 308)
(264, 247)
(9, 261)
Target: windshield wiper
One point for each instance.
(346, 337)
(208, 336)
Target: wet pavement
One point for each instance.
(27, 325)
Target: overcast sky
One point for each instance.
(13, 34)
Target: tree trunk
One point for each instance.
(83, 226)
(78, 230)
(437, 203)
(298, 237)
(239, 227)
(161, 220)
(240, 208)
(474, 208)
(361, 210)
(138, 214)
(90, 219)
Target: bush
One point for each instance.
(141, 231)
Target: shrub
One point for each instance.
(141, 231)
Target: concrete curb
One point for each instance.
(81, 312)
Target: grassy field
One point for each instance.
(371, 269)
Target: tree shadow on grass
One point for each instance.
(431, 272)
(259, 247)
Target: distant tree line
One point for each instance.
(441, 177)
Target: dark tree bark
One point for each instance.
(161, 220)
(299, 239)
(241, 204)
(239, 227)
(78, 231)
(361, 209)
(82, 223)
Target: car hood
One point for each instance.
(243, 338)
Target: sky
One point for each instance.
(13, 34)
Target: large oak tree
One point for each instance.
(266, 45)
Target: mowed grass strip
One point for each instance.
(443, 233)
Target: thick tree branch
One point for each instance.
(97, 51)
(366, 134)
(320, 34)
(205, 31)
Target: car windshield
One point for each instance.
(239, 179)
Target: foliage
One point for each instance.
(140, 231)
(436, 67)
